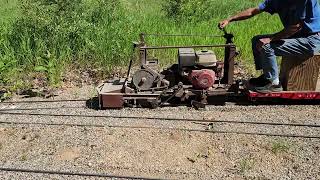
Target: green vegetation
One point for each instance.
(246, 165)
(45, 38)
(280, 147)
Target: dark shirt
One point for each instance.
(292, 12)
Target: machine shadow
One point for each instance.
(93, 103)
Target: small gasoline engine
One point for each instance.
(197, 68)
(201, 68)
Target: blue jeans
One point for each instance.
(266, 58)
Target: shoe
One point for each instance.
(269, 88)
(259, 81)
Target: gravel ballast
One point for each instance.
(158, 153)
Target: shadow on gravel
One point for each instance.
(93, 103)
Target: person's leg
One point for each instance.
(256, 53)
(302, 47)
(287, 47)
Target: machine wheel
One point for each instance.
(143, 79)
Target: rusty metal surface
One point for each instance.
(111, 101)
(183, 35)
(149, 84)
(230, 54)
(143, 79)
(192, 46)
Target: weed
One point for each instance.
(23, 157)
(245, 165)
(279, 147)
(5, 96)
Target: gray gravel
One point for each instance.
(159, 153)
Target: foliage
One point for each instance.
(246, 165)
(203, 10)
(47, 36)
(50, 34)
(280, 147)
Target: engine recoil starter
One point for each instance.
(202, 79)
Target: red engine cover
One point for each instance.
(202, 79)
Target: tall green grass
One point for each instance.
(50, 36)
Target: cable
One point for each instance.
(164, 128)
(164, 119)
(64, 173)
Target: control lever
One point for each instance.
(227, 36)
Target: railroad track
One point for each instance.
(67, 173)
(133, 118)
(26, 112)
(45, 101)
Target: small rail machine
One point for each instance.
(196, 77)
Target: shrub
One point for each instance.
(52, 33)
(203, 10)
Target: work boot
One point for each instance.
(269, 88)
(259, 81)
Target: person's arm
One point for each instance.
(240, 16)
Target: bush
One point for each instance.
(52, 33)
(203, 10)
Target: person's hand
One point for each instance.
(223, 23)
(262, 42)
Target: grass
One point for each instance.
(42, 38)
(278, 147)
(8, 10)
(246, 165)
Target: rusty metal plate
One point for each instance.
(111, 101)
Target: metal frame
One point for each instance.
(227, 88)
(117, 98)
(230, 51)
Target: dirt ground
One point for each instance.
(160, 152)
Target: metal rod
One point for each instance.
(184, 35)
(158, 118)
(193, 46)
(41, 108)
(44, 101)
(174, 129)
(64, 173)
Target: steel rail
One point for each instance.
(40, 108)
(162, 119)
(44, 101)
(65, 173)
(166, 128)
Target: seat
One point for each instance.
(300, 74)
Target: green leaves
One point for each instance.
(2, 66)
(204, 10)
(40, 69)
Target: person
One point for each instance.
(299, 37)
